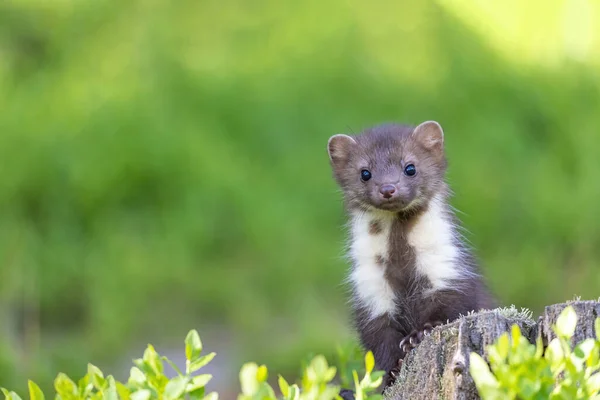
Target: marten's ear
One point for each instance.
(339, 147)
(430, 135)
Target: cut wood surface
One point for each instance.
(439, 367)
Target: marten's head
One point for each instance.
(395, 168)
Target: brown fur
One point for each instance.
(375, 228)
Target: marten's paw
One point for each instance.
(391, 377)
(408, 343)
(411, 340)
(347, 394)
(395, 372)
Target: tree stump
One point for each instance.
(439, 367)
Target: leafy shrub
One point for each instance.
(147, 380)
(521, 370)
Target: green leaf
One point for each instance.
(377, 377)
(515, 333)
(485, 381)
(539, 347)
(248, 379)
(193, 345)
(150, 354)
(358, 393)
(123, 391)
(35, 393)
(262, 373)
(555, 355)
(175, 387)
(330, 374)
(96, 376)
(14, 396)
(140, 364)
(597, 328)
(593, 383)
(201, 362)
(563, 392)
(198, 394)
(566, 323)
(369, 362)
(111, 392)
(212, 396)
(136, 376)
(584, 349)
(85, 387)
(284, 387)
(528, 387)
(152, 360)
(502, 346)
(65, 387)
(594, 360)
(319, 366)
(142, 394)
(270, 394)
(93, 370)
(329, 392)
(294, 392)
(197, 382)
(10, 395)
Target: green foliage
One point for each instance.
(170, 155)
(316, 382)
(147, 380)
(521, 370)
(350, 358)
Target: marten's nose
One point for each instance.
(387, 191)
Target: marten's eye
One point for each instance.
(365, 175)
(410, 170)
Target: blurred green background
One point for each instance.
(163, 165)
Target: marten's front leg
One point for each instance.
(381, 336)
(408, 343)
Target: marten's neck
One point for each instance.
(398, 256)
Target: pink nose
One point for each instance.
(387, 191)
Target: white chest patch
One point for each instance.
(432, 239)
(369, 248)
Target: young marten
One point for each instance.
(411, 268)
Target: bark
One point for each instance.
(439, 367)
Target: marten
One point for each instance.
(411, 267)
